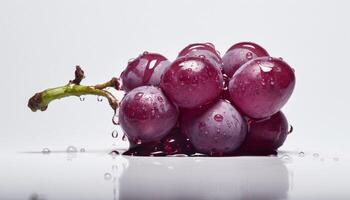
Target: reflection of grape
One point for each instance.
(216, 129)
(146, 114)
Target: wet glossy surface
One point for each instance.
(146, 114)
(262, 87)
(192, 77)
(240, 53)
(98, 175)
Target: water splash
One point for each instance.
(46, 151)
(71, 149)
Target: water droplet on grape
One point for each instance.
(160, 99)
(107, 176)
(210, 44)
(202, 125)
(99, 99)
(290, 129)
(46, 150)
(115, 134)
(81, 98)
(316, 155)
(218, 52)
(272, 82)
(138, 141)
(249, 55)
(145, 53)
(138, 95)
(270, 58)
(218, 117)
(131, 60)
(280, 58)
(71, 149)
(301, 154)
(82, 150)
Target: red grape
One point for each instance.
(206, 50)
(146, 114)
(262, 86)
(266, 134)
(147, 69)
(216, 129)
(239, 54)
(191, 82)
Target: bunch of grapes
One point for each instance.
(204, 103)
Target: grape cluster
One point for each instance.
(204, 103)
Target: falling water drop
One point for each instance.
(46, 150)
(115, 134)
(99, 99)
(82, 150)
(115, 118)
(107, 176)
(81, 98)
(316, 155)
(71, 149)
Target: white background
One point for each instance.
(41, 41)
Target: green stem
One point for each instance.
(41, 100)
